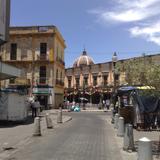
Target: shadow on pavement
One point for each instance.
(9, 124)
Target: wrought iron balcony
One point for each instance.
(42, 81)
(59, 82)
(58, 59)
(43, 57)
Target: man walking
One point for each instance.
(35, 108)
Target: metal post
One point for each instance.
(120, 132)
(128, 141)
(112, 113)
(116, 121)
(49, 121)
(37, 127)
(145, 149)
(59, 116)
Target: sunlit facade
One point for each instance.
(39, 52)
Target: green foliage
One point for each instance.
(140, 71)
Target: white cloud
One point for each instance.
(137, 3)
(128, 15)
(130, 11)
(150, 33)
(136, 13)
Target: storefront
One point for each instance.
(45, 95)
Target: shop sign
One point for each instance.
(41, 91)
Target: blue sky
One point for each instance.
(129, 27)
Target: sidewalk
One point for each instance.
(89, 109)
(15, 136)
(152, 135)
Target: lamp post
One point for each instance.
(114, 60)
(84, 86)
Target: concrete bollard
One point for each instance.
(37, 127)
(49, 121)
(59, 117)
(120, 131)
(116, 117)
(128, 141)
(145, 149)
(112, 115)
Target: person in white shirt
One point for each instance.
(35, 108)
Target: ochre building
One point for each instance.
(85, 75)
(39, 52)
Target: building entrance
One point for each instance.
(43, 100)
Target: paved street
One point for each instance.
(87, 136)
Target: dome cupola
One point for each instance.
(83, 60)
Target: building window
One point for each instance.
(61, 77)
(94, 80)
(86, 81)
(69, 83)
(105, 80)
(57, 79)
(57, 74)
(42, 74)
(57, 51)
(116, 77)
(13, 51)
(77, 82)
(12, 80)
(43, 48)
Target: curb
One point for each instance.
(69, 119)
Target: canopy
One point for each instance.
(148, 104)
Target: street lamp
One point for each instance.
(84, 86)
(114, 60)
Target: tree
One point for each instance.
(140, 71)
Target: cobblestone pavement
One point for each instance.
(17, 136)
(152, 135)
(87, 137)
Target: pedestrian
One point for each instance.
(30, 101)
(107, 103)
(35, 108)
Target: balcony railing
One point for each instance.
(59, 82)
(42, 81)
(60, 61)
(43, 57)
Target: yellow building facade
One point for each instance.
(85, 73)
(87, 77)
(39, 52)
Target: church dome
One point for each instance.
(83, 60)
